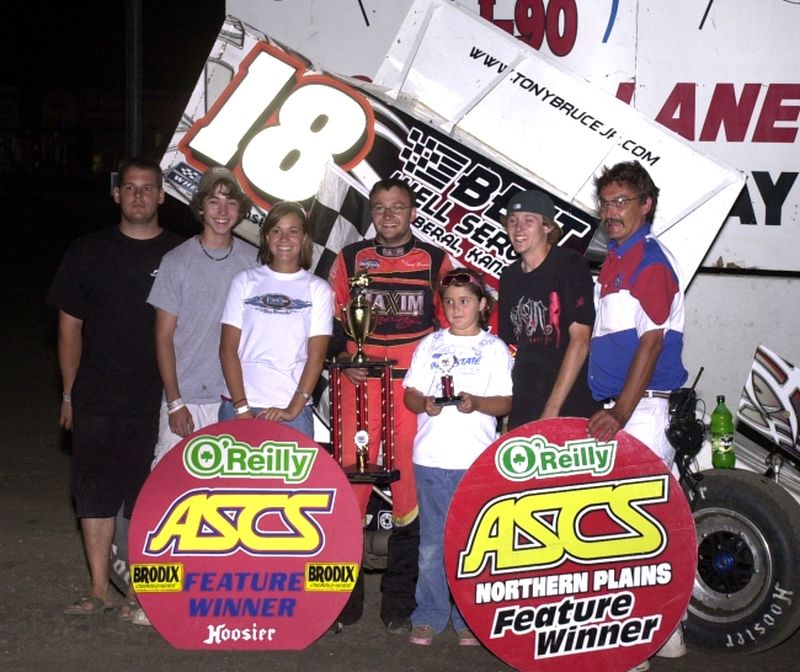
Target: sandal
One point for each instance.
(88, 606)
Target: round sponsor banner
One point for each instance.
(575, 554)
(247, 535)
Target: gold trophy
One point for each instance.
(359, 321)
(358, 317)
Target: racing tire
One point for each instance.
(746, 593)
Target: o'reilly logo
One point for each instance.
(521, 458)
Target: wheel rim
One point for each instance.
(734, 566)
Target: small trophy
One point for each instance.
(358, 317)
(361, 439)
(445, 364)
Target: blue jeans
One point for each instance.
(435, 488)
(304, 422)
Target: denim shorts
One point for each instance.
(304, 422)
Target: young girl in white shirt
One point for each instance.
(451, 436)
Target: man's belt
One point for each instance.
(655, 394)
(647, 394)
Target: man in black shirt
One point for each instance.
(111, 387)
(546, 310)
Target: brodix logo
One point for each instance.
(543, 528)
(331, 576)
(161, 578)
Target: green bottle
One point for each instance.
(722, 455)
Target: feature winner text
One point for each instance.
(578, 625)
(253, 594)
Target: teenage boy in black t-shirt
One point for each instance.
(546, 310)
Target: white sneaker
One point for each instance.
(139, 617)
(641, 667)
(674, 647)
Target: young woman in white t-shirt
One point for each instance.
(276, 325)
(451, 436)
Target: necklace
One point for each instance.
(205, 251)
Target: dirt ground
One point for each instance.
(42, 561)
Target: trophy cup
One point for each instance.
(445, 364)
(358, 317)
(359, 321)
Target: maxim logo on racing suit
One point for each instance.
(391, 302)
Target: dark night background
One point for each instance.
(63, 116)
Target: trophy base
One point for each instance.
(374, 474)
(446, 401)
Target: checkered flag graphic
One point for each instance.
(432, 162)
(338, 216)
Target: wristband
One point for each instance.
(302, 393)
(175, 404)
(242, 410)
(66, 397)
(170, 411)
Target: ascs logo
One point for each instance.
(184, 530)
(534, 530)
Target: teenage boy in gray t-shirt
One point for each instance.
(189, 293)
